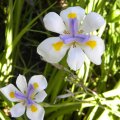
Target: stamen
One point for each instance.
(80, 31)
(74, 44)
(66, 32)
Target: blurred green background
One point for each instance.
(93, 92)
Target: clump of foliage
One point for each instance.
(91, 93)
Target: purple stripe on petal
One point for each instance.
(82, 38)
(73, 26)
(66, 36)
(29, 101)
(30, 90)
(74, 36)
(20, 95)
(67, 39)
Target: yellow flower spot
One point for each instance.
(57, 46)
(91, 43)
(33, 108)
(12, 94)
(35, 85)
(72, 15)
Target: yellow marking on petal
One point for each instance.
(35, 85)
(57, 46)
(72, 15)
(33, 108)
(12, 94)
(91, 43)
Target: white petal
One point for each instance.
(17, 110)
(9, 92)
(21, 83)
(75, 58)
(47, 50)
(39, 82)
(37, 114)
(80, 12)
(40, 96)
(94, 54)
(53, 22)
(92, 22)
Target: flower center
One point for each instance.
(28, 98)
(73, 35)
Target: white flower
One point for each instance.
(28, 96)
(75, 35)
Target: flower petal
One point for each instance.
(40, 96)
(94, 49)
(9, 92)
(21, 83)
(39, 82)
(92, 22)
(17, 110)
(53, 22)
(35, 112)
(76, 11)
(52, 49)
(75, 58)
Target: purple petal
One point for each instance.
(20, 95)
(30, 90)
